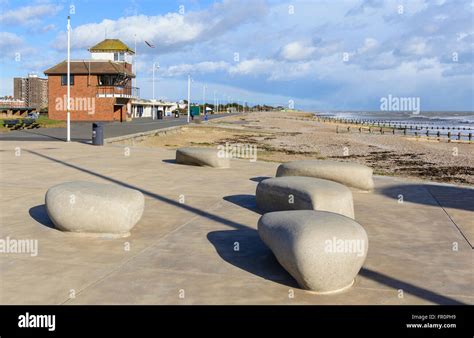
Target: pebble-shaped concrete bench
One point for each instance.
(323, 251)
(207, 157)
(304, 193)
(94, 208)
(351, 174)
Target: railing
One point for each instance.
(118, 91)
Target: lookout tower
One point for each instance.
(112, 50)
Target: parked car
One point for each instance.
(33, 115)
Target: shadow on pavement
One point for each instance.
(40, 215)
(414, 290)
(435, 195)
(244, 201)
(252, 255)
(259, 179)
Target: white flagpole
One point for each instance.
(135, 62)
(153, 106)
(68, 79)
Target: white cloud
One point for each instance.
(201, 67)
(369, 44)
(10, 44)
(29, 14)
(168, 32)
(415, 46)
(297, 51)
(162, 31)
(254, 67)
(9, 40)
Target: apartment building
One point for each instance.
(33, 90)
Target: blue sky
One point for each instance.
(320, 54)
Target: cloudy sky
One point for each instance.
(321, 55)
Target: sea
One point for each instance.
(451, 119)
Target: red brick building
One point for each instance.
(101, 87)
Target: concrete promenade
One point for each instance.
(183, 251)
(82, 131)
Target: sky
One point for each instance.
(315, 55)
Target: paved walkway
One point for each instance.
(183, 253)
(82, 131)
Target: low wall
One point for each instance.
(138, 137)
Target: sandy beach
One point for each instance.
(282, 137)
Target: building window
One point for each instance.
(64, 80)
(139, 111)
(108, 80)
(119, 56)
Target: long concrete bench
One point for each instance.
(207, 157)
(304, 193)
(323, 251)
(94, 208)
(351, 174)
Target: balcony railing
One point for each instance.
(118, 91)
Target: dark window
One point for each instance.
(64, 80)
(108, 80)
(119, 56)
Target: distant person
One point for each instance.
(192, 116)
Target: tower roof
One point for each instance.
(85, 67)
(111, 45)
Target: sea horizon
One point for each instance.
(438, 118)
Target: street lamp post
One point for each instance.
(155, 66)
(68, 79)
(204, 99)
(189, 96)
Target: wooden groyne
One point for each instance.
(414, 129)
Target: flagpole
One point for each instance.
(135, 62)
(68, 79)
(189, 96)
(153, 107)
(215, 102)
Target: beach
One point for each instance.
(284, 136)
